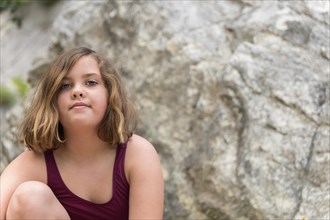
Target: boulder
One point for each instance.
(234, 95)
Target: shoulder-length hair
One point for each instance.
(41, 130)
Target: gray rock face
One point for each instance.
(234, 95)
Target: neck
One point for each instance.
(83, 145)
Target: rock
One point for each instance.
(234, 95)
(10, 146)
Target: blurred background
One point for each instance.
(234, 95)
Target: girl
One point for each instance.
(84, 161)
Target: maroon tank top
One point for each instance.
(79, 208)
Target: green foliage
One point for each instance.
(9, 95)
(48, 3)
(13, 5)
(21, 86)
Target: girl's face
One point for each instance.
(82, 99)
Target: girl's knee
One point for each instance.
(29, 197)
(32, 191)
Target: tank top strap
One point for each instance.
(119, 168)
(53, 175)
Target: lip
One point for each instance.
(79, 105)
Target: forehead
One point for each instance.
(85, 65)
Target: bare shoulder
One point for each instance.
(28, 159)
(140, 153)
(138, 143)
(139, 147)
(27, 165)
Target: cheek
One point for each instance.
(99, 101)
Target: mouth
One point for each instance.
(78, 105)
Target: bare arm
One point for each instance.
(27, 166)
(146, 199)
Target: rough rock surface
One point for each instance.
(234, 95)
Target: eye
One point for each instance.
(91, 83)
(65, 86)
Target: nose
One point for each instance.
(78, 92)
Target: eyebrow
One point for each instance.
(86, 75)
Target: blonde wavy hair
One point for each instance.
(41, 130)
